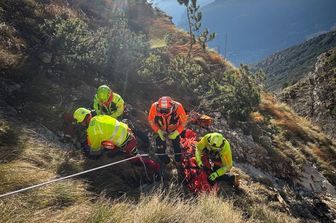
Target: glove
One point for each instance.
(160, 133)
(173, 135)
(213, 176)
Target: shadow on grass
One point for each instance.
(124, 179)
(10, 145)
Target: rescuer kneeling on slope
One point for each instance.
(107, 102)
(215, 147)
(105, 132)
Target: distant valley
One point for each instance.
(292, 64)
(255, 31)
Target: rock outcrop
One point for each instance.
(315, 96)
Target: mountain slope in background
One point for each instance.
(174, 9)
(315, 95)
(256, 29)
(49, 68)
(290, 65)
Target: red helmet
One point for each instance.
(165, 105)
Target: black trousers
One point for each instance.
(161, 147)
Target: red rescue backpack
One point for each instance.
(196, 179)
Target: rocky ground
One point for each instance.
(314, 97)
(286, 164)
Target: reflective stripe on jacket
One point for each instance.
(105, 128)
(224, 154)
(175, 121)
(114, 109)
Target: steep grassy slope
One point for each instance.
(288, 66)
(36, 157)
(68, 52)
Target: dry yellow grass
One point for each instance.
(157, 43)
(256, 117)
(56, 9)
(297, 138)
(70, 201)
(167, 208)
(8, 59)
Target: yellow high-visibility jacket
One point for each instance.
(114, 108)
(225, 154)
(105, 128)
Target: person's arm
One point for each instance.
(183, 118)
(93, 139)
(96, 106)
(119, 102)
(226, 157)
(151, 117)
(199, 150)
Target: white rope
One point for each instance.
(71, 176)
(80, 173)
(165, 154)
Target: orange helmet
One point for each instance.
(165, 105)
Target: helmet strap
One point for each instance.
(87, 120)
(108, 102)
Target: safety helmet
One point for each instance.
(103, 93)
(80, 114)
(216, 141)
(165, 105)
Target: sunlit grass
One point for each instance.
(157, 43)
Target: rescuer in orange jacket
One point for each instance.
(167, 119)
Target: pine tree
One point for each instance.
(194, 16)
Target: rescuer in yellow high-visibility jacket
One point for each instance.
(107, 102)
(106, 132)
(218, 148)
(102, 129)
(105, 128)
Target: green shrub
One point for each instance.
(237, 95)
(332, 58)
(126, 49)
(72, 42)
(151, 66)
(169, 38)
(188, 73)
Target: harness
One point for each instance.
(108, 107)
(213, 157)
(165, 121)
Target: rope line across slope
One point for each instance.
(76, 174)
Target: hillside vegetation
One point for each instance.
(315, 95)
(62, 50)
(77, 200)
(288, 66)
